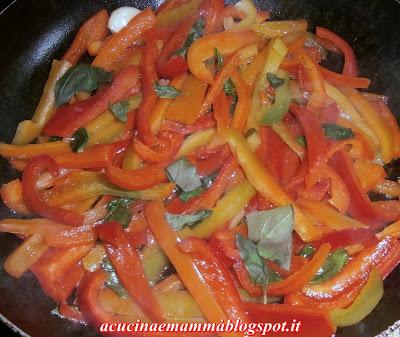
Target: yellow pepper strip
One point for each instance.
(194, 141)
(177, 14)
(226, 209)
(285, 134)
(348, 112)
(28, 130)
(373, 119)
(271, 29)
(277, 50)
(388, 187)
(262, 180)
(186, 108)
(178, 306)
(329, 216)
(369, 173)
(393, 230)
(362, 306)
(26, 255)
(155, 263)
(354, 249)
(131, 160)
(246, 53)
(251, 72)
(248, 7)
(158, 113)
(32, 150)
(105, 129)
(92, 261)
(81, 185)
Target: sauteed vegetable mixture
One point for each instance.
(205, 165)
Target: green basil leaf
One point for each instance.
(120, 110)
(272, 232)
(184, 175)
(82, 77)
(219, 59)
(196, 33)
(332, 266)
(113, 281)
(118, 210)
(229, 88)
(166, 91)
(253, 262)
(186, 196)
(274, 80)
(307, 251)
(337, 132)
(178, 221)
(301, 140)
(54, 139)
(79, 140)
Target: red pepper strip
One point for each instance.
(341, 290)
(316, 142)
(298, 180)
(138, 179)
(389, 207)
(203, 122)
(302, 322)
(347, 237)
(159, 33)
(243, 105)
(212, 163)
(59, 271)
(174, 66)
(361, 208)
(149, 77)
(68, 113)
(94, 29)
(127, 264)
(317, 192)
(125, 80)
(211, 10)
(170, 4)
(76, 236)
(210, 196)
(121, 41)
(345, 80)
(33, 199)
(166, 150)
(221, 108)
(71, 313)
(350, 67)
(217, 277)
(138, 229)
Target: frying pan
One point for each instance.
(33, 32)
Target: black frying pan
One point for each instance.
(33, 32)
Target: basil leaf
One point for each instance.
(113, 281)
(274, 80)
(82, 77)
(301, 140)
(166, 91)
(332, 266)
(307, 251)
(272, 232)
(219, 59)
(120, 110)
(79, 140)
(229, 88)
(196, 32)
(118, 210)
(337, 132)
(186, 196)
(184, 175)
(178, 221)
(253, 262)
(54, 139)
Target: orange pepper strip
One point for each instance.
(184, 265)
(32, 150)
(94, 29)
(120, 41)
(369, 173)
(374, 120)
(243, 105)
(318, 96)
(203, 49)
(251, 72)
(300, 278)
(11, 194)
(345, 80)
(340, 196)
(221, 108)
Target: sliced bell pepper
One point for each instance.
(71, 313)
(195, 141)
(28, 130)
(271, 29)
(34, 200)
(226, 208)
(393, 230)
(392, 124)
(345, 80)
(314, 322)
(217, 277)
(171, 15)
(94, 29)
(138, 179)
(184, 264)
(186, 108)
(369, 173)
(374, 120)
(32, 150)
(209, 162)
(287, 136)
(210, 10)
(121, 41)
(201, 123)
(221, 108)
(11, 195)
(350, 67)
(243, 105)
(248, 7)
(203, 49)
(127, 264)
